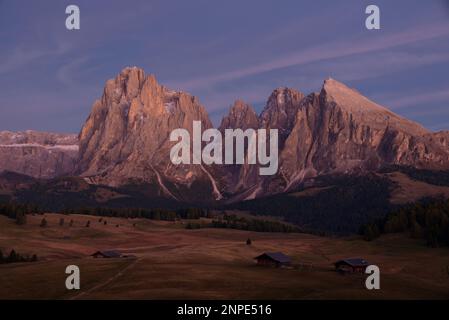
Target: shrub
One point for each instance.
(43, 223)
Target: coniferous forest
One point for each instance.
(427, 220)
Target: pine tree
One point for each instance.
(12, 256)
(156, 215)
(21, 219)
(88, 224)
(370, 232)
(248, 242)
(43, 223)
(416, 230)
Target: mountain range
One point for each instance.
(125, 142)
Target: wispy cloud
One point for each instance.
(337, 49)
(217, 53)
(383, 63)
(20, 57)
(420, 99)
(67, 72)
(347, 70)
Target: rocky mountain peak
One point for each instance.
(126, 137)
(283, 98)
(280, 111)
(350, 99)
(240, 105)
(125, 85)
(282, 104)
(362, 109)
(241, 115)
(125, 140)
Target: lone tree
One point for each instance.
(71, 223)
(88, 224)
(248, 242)
(371, 232)
(13, 257)
(43, 223)
(61, 222)
(105, 222)
(21, 218)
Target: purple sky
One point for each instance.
(220, 51)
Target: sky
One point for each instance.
(221, 51)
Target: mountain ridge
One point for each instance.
(336, 130)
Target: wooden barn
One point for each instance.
(352, 265)
(107, 254)
(273, 259)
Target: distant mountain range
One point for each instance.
(38, 154)
(125, 143)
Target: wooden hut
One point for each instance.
(273, 259)
(352, 265)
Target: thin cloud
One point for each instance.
(348, 70)
(20, 57)
(66, 73)
(338, 49)
(421, 98)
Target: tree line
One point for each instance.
(428, 220)
(153, 214)
(339, 207)
(13, 209)
(242, 223)
(16, 257)
(19, 211)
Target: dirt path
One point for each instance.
(107, 281)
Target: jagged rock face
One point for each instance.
(280, 111)
(38, 154)
(126, 138)
(339, 130)
(241, 115)
(235, 177)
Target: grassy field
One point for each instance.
(172, 262)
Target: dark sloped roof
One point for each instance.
(109, 253)
(354, 262)
(276, 256)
